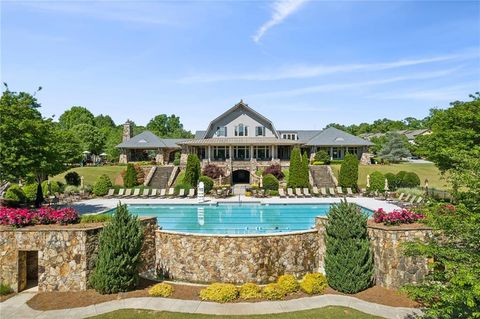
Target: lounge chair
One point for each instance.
(145, 192)
(181, 192)
(400, 197)
(331, 190)
(281, 193)
(298, 192)
(191, 192)
(306, 192)
(419, 200)
(121, 192)
(407, 198)
(323, 191)
(412, 200)
(163, 192)
(128, 192)
(136, 192)
(110, 193)
(349, 192)
(339, 190)
(290, 192)
(153, 193)
(171, 192)
(315, 191)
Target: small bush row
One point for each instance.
(20, 217)
(395, 181)
(396, 217)
(100, 218)
(161, 290)
(314, 283)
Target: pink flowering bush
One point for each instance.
(396, 217)
(20, 217)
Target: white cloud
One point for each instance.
(449, 93)
(304, 71)
(281, 9)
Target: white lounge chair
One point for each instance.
(306, 192)
(154, 192)
(163, 192)
(110, 193)
(298, 192)
(121, 192)
(323, 191)
(412, 200)
(181, 192)
(191, 192)
(331, 190)
(339, 190)
(349, 191)
(281, 193)
(128, 192)
(145, 193)
(315, 191)
(290, 192)
(136, 192)
(171, 191)
(407, 198)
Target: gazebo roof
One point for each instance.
(148, 140)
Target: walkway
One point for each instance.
(98, 205)
(16, 307)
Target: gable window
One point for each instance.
(260, 131)
(221, 131)
(290, 136)
(241, 130)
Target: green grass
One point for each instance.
(90, 173)
(321, 313)
(424, 171)
(5, 289)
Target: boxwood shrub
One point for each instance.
(250, 291)
(219, 292)
(15, 194)
(315, 283)
(377, 182)
(161, 290)
(184, 186)
(30, 191)
(270, 182)
(207, 182)
(102, 185)
(288, 283)
(273, 291)
(55, 187)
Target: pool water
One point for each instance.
(234, 218)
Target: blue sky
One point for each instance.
(303, 64)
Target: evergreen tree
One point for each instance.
(120, 246)
(394, 149)
(348, 258)
(130, 178)
(192, 171)
(305, 170)
(295, 169)
(349, 171)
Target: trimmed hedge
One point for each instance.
(273, 291)
(270, 182)
(102, 185)
(377, 182)
(410, 179)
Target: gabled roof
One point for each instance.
(199, 134)
(334, 137)
(303, 135)
(148, 140)
(247, 108)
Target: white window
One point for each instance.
(241, 130)
(221, 131)
(290, 136)
(260, 131)
(261, 152)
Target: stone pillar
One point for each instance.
(123, 159)
(127, 131)
(183, 156)
(159, 158)
(209, 152)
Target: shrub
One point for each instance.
(30, 191)
(393, 182)
(100, 218)
(377, 182)
(322, 156)
(219, 292)
(192, 170)
(273, 291)
(72, 178)
(273, 193)
(15, 194)
(207, 182)
(120, 244)
(315, 283)
(130, 176)
(348, 258)
(250, 291)
(213, 171)
(161, 290)
(102, 185)
(275, 170)
(288, 283)
(87, 189)
(410, 179)
(70, 189)
(298, 170)
(55, 187)
(5, 289)
(349, 172)
(176, 161)
(270, 182)
(184, 186)
(396, 217)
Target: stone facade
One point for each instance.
(66, 255)
(235, 259)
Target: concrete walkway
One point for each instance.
(98, 205)
(16, 307)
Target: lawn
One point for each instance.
(90, 173)
(429, 171)
(321, 313)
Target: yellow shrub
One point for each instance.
(273, 292)
(248, 194)
(161, 290)
(250, 291)
(314, 283)
(219, 292)
(288, 283)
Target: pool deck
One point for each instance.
(99, 205)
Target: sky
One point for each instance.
(302, 64)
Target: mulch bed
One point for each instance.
(62, 300)
(5, 297)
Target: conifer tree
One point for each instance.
(120, 246)
(295, 169)
(349, 171)
(192, 170)
(348, 258)
(130, 177)
(305, 169)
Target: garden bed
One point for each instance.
(62, 300)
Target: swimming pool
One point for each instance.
(235, 218)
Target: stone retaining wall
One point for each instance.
(66, 254)
(235, 259)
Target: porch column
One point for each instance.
(230, 152)
(273, 152)
(331, 153)
(209, 152)
(251, 152)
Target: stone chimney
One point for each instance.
(127, 131)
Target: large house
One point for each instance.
(240, 139)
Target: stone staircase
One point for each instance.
(322, 176)
(160, 177)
